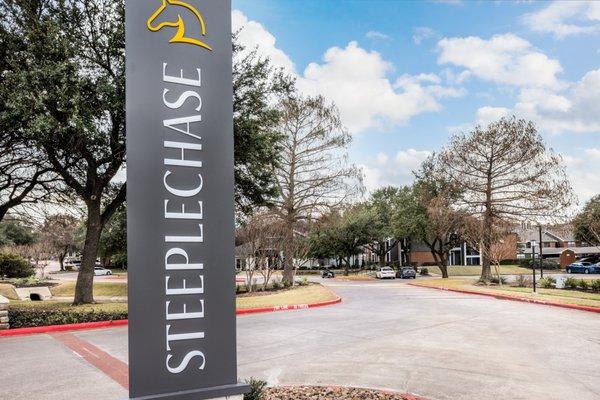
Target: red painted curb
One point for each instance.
(519, 299)
(123, 322)
(245, 311)
(63, 328)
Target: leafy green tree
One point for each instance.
(68, 86)
(343, 235)
(255, 84)
(426, 214)
(383, 205)
(15, 233)
(113, 243)
(23, 178)
(587, 222)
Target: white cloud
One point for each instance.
(422, 33)
(565, 18)
(575, 109)
(486, 115)
(254, 35)
(355, 79)
(506, 59)
(383, 171)
(377, 35)
(584, 173)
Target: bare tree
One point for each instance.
(505, 174)
(59, 233)
(24, 178)
(313, 173)
(503, 239)
(261, 238)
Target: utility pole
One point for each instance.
(533, 244)
(541, 252)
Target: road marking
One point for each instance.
(114, 368)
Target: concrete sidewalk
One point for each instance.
(384, 335)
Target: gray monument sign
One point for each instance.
(182, 332)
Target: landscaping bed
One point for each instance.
(562, 296)
(329, 393)
(294, 296)
(25, 314)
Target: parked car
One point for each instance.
(327, 273)
(385, 273)
(583, 267)
(406, 273)
(99, 271)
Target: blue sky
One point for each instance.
(406, 75)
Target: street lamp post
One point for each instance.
(533, 244)
(541, 253)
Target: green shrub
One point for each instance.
(424, 272)
(498, 281)
(303, 281)
(277, 284)
(548, 282)
(548, 264)
(523, 281)
(571, 283)
(510, 262)
(29, 317)
(583, 284)
(595, 285)
(257, 389)
(14, 266)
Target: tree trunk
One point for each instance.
(347, 267)
(486, 269)
(61, 260)
(288, 256)
(84, 289)
(381, 255)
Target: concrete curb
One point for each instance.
(123, 322)
(513, 298)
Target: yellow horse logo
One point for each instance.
(179, 24)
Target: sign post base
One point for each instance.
(228, 392)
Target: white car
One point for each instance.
(385, 272)
(99, 271)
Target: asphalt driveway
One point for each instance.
(384, 335)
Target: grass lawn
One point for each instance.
(108, 289)
(473, 270)
(554, 295)
(298, 295)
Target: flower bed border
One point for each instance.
(500, 296)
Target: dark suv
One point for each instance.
(406, 273)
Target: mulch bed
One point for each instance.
(329, 393)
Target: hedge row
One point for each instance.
(28, 317)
